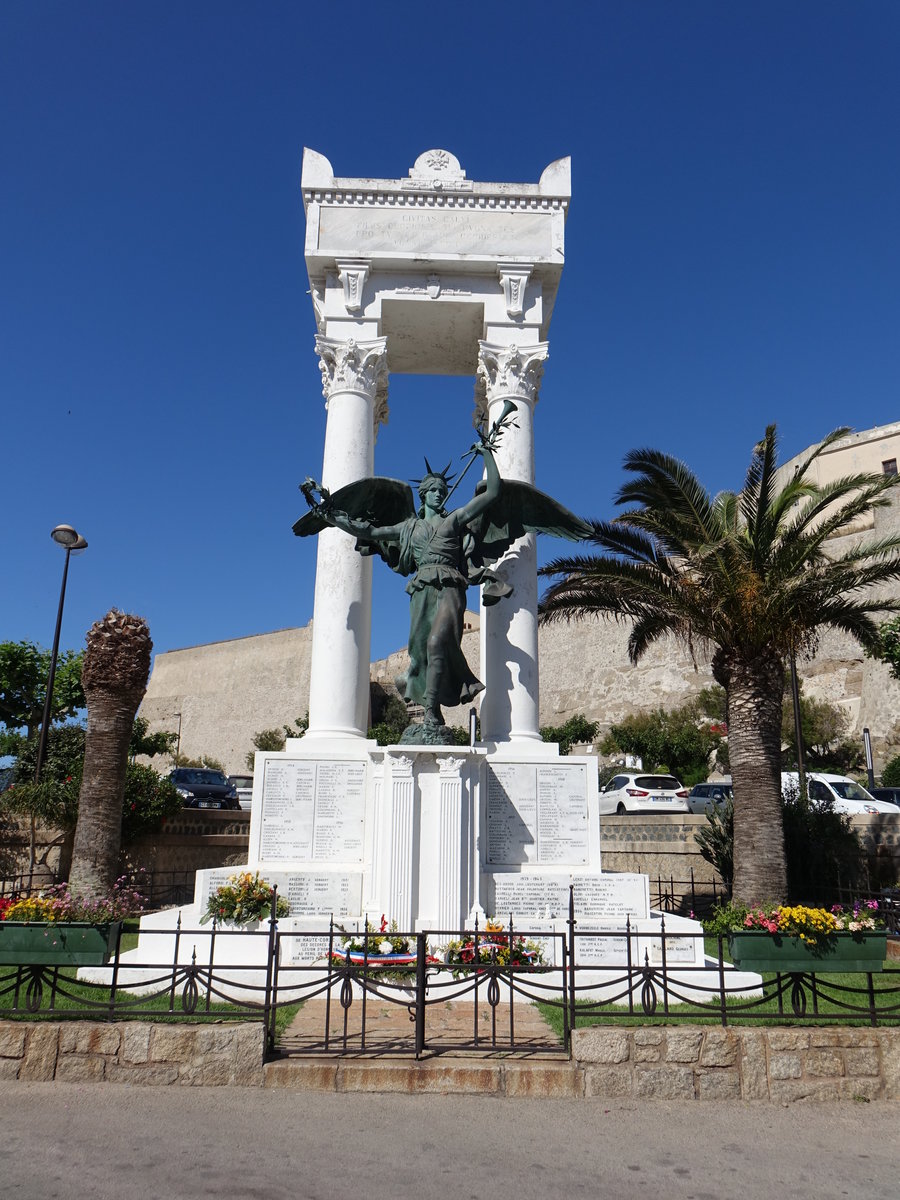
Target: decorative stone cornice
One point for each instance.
(351, 366)
(514, 280)
(507, 371)
(353, 273)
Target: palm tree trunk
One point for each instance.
(755, 690)
(98, 834)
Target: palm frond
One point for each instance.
(667, 485)
(836, 434)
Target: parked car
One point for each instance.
(635, 791)
(201, 787)
(243, 785)
(890, 795)
(715, 793)
(843, 794)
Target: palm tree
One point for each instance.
(749, 576)
(114, 677)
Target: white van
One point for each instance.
(845, 795)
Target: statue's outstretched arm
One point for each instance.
(363, 531)
(484, 499)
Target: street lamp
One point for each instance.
(71, 540)
(178, 741)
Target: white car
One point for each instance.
(636, 791)
(845, 795)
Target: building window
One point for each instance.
(889, 466)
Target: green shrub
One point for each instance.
(890, 776)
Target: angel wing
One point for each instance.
(519, 509)
(378, 500)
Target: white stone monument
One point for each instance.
(432, 274)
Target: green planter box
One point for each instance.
(57, 943)
(759, 951)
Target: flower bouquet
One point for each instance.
(493, 946)
(243, 900)
(383, 950)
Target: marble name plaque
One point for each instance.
(678, 950)
(313, 810)
(601, 901)
(303, 949)
(594, 950)
(487, 234)
(309, 893)
(537, 814)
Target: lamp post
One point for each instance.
(70, 539)
(798, 727)
(178, 739)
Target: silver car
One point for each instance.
(712, 794)
(637, 791)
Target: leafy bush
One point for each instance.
(148, 799)
(821, 847)
(576, 731)
(890, 776)
(681, 740)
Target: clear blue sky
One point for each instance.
(733, 258)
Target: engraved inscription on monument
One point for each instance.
(435, 231)
(601, 901)
(537, 814)
(313, 810)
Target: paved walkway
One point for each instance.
(390, 1030)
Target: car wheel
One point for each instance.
(621, 810)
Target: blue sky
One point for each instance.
(733, 258)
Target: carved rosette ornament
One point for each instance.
(351, 366)
(507, 371)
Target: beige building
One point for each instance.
(228, 691)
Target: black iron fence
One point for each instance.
(314, 995)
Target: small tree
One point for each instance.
(24, 670)
(274, 739)
(680, 740)
(114, 676)
(578, 730)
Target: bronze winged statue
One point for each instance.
(443, 553)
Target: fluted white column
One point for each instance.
(401, 894)
(509, 631)
(453, 845)
(354, 378)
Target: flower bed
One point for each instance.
(797, 938)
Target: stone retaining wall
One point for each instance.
(132, 1052)
(660, 845)
(774, 1064)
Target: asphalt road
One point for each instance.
(115, 1142)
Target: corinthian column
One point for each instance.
(354, 378)
(509, 647)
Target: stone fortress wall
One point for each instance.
(227, 691)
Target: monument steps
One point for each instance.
(443, 1075)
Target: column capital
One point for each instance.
(508, 371)
(352, 366)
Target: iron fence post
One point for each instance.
(571, 923)
(421, 951)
